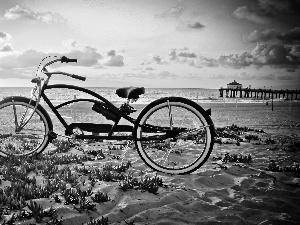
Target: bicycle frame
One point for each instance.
(99, 97)
(110, 129)
(113, 128)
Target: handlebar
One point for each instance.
(67, 60)
(62, 60)
(78, 77)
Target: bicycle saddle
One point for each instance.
(130, 92)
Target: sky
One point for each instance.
(153, 43)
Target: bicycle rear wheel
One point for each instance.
(33, 138)
(185, 152)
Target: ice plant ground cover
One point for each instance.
(251, 177)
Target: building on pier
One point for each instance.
(234, 85)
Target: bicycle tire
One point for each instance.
(39, 116)
(191, 111)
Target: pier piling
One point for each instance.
(249, 93)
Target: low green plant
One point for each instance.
(100, 197)
(147, 183)
(123, 167)
(295, 168)
(239, 158)
(250, 137)
(108, 175)
(102, 221)
(38, 213)
(62, 146)
(66, 175)
(71, 196)
(85, 206)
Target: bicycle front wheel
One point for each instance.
(33, 137)
(185, 152)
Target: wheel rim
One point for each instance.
(190, 149)
(31, 139)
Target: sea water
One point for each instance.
(254, 113)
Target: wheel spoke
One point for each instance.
(170, 116)
(15, 115)
(23, 131)
(185, 142)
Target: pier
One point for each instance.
(258, 93)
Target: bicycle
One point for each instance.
(172, 134)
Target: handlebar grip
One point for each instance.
(78, 77)
(72, 60)
(66, 60)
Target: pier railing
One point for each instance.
(258, 93)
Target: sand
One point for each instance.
(217, 193)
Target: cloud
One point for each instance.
(243, 76)
(271, 35)
(184, 49)
(157, 59)
(266, 77)
(274, 55)
(236, 60)
(252, 15)
(86, 57)
(187, 55)
(152, 75)
(149, 68)
(166, 75)
(175, 11)
(31, 58)
(70, 43)
(22, 13)
(202, 61)
(218, 76)
(295, 51)
(173, 54)
(285, 77)
(115, 60)
(111, 53)
(181, 57)
(6, 48)
(148, 75)
(286, 11)
(278, 6)
(4, 36)
(190, 26)
(24, 73)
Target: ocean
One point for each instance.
(255, 113)
(151, 94)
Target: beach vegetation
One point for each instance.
(97, 153)
(100, 197)
(294, 146)
(232, 157)
(275, 167)
(61, 182)
(102, 221)
(147, 183)
(85, 206)
(62, 145)
(38, 213)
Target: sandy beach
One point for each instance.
(251, 177)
